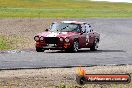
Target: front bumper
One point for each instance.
(55, 46)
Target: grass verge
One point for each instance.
(62, 9)
(4, 43)
(12, 42)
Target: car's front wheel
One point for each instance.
(39, 49)
(94, 46)
(74, 47)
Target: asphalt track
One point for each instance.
(115, 48)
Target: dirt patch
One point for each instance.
(53, 77)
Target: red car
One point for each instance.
(69, 36)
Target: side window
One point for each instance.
(83, 28)
(88, 28)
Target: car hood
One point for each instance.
(57, 34)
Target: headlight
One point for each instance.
(36, 38)
(61, 39)
(67, 39)
(41, 38)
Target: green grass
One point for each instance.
(4, 43)
(62, 9)
(13, 42)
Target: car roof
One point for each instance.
(75, 22)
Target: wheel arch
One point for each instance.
(96, 38)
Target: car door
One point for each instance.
(82, 37)
(89, 35)
(88, 28)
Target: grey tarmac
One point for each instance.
(115, 47)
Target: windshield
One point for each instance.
(65, 27)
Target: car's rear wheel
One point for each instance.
(95, 45)
(39, 49)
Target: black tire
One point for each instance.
(39, 49)
(94, 46)
(68, 50)
(75, 46)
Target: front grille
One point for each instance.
(51, 40)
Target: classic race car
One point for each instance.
(67, 35)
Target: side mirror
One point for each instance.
(47, 30)
(81, 32)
